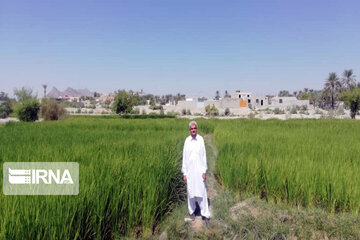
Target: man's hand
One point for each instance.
(204, 176)
(185, 179)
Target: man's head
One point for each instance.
(193, 128)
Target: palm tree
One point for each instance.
(217, 96)
(44, 86)
(348, 79)
(333, 87)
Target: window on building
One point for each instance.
(249, 101)
(248, 95)
(280, 100)
(257, 100)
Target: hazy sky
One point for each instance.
(193, 47)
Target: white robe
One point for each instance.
(194, 165)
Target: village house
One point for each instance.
(239, 103)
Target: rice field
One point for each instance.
(302, 162)
(129, 177)
(130, 170)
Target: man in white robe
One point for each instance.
(194, 168)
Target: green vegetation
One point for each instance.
(302, 162)
(51, 110)
(5, 105)
(28, 110)
(129, 176)
(352, 99)
(124, 102)
(211, 110)
(5, 109)
(27, 107)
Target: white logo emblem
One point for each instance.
(41, 178)
(27, 176)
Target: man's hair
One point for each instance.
(192, 123)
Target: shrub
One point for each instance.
(156, 107)
(251, 115)
(188, 112)
(227, 111)
(172, 114)
(352, 99)
(135, 111)
(214, 111)
(278, 111)
(51, 110)
(211, 110)
(5, 109)
(28, 110)
(147, 116)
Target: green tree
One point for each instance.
(28, 110)
(332, 87)
(124, 102)
(23, 94)
(351, 99)
(211, 110)
(348, 79)
(3, 96)
(27, 107)
(315, 97)
(207, 109)
(284, 93)
(5, 109)
(214, 111)
(304, 96)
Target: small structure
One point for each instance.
(286, 102)
(242, 95)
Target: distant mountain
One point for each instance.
(85, 92)
(71, 92)
(54, 93)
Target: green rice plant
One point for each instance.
(129, 176)
(302, 162)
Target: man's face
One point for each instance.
(193, 130)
